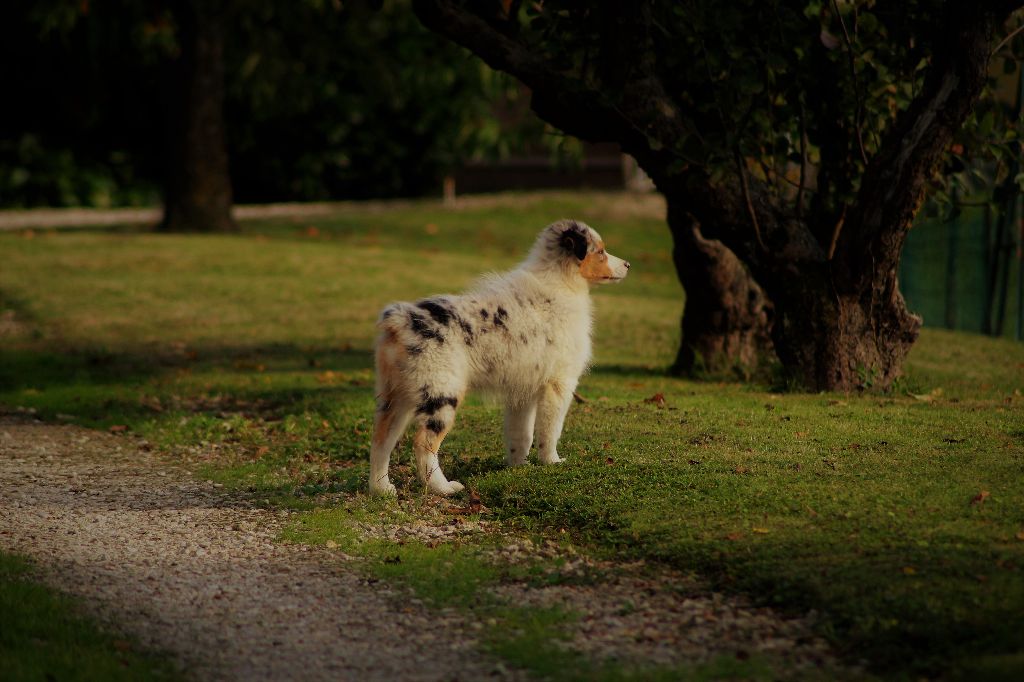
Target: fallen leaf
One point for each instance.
(740, 469)
(980, 497)
(609, 461)
(331, 544)
(800, 434)
(473, 507)
(431, 228)
(909, 570)
(658, 399)
(312, 231)
(1020, 535)
(762, 531)
(118, 428)
(734, 536)
(927, 397)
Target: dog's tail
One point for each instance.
(391, 318)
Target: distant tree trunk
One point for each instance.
(726, 323)
(197, 191)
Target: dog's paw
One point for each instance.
(552, 459)
(446, 488)
(383, 488)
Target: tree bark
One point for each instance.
(727, 318)
(197, 191)
(840, 320)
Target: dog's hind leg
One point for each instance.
(519, 421)
(435, 416)
(389, 424)
(394, 409)
(552, 406)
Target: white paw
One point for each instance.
(446, 488)
(551, 459)
(384, 487)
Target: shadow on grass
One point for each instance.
(50, 368)
(901, 603)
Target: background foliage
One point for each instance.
(324, 100)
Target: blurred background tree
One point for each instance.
(321, 100)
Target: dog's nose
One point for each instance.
(626, 263)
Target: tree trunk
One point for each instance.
(197, 192)
(830, 339)
(727, 319)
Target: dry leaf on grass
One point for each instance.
(658, 399)
(980, 497)
(473, 507)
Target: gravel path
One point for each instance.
(175, 563)
(184, 568)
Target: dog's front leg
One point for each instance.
(519, 421)
(551, 409)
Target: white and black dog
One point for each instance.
(523, 336)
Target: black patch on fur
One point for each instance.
(500, 315)
(483, 314)
(431, 404)
(467, 329)
(441, 314)
(435, 425)
(574, 241)
(419, 325)
(414, 350)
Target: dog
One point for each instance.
(523, 336)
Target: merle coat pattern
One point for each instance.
(523, 336)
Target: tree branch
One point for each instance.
(895, 181)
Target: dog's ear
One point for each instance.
(575, 242)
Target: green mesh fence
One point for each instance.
(947, 271)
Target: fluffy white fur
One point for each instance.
(523, 336)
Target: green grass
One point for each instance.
(254, 349)
(43, 637)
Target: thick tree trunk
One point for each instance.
(842, 341)
(727, 319)
(197, 193)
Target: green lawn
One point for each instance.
(859, 507)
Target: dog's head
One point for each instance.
(579, 251)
